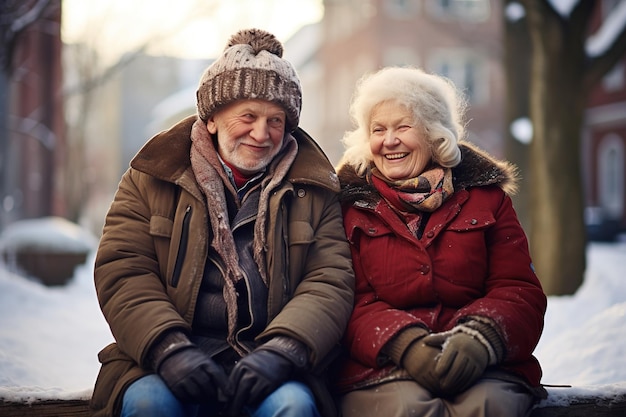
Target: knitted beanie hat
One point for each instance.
(251, 67)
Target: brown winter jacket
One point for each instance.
(155, 242)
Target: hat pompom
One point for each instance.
(251, 67)
(258, 39)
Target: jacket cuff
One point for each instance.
(485, 331)
(289, 348)
(397, 346)
(166, 346)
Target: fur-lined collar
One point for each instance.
(166, 156)
(477, 169)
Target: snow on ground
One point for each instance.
(50, 336)
(584, 338)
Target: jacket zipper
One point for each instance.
(285, 254)
(182, 248)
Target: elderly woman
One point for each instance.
(448, 308)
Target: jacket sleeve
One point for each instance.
(513, 297)
(374, 322)
(320, 275)
(127, 275)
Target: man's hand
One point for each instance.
(192, 375)
(255, 377)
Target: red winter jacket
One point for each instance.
(472, 260)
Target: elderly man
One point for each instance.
(223, 269)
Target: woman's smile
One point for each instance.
(396, 155)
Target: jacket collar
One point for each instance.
(476, 169)
(166, 156)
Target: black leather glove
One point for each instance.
(258, 374)
(192, 375)
(189, 373)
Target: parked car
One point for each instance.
(600, 227)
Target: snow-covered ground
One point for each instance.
(50, 336)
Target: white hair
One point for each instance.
(438, 106)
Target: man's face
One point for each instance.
(249, 133)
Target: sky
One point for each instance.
(201, 28)
(50, 336)
(185, 28)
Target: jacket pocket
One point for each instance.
(115, 364)
(182, 248)
(476, 221)
(161, 226)
(300, 233)
(463, 260)
(466, 237)
(300, 239)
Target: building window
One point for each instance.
(474, 11)
(344, 17)
(341, 99)
(614, 80)
(611, 175)
(400, 56)
(401, 9)
(466, 69)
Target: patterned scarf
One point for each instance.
(413, 196)
(214, 182)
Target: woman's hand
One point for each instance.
(462, 360)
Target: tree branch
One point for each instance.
(17, 26)
(601, 64)
(580, 15)
(28, 18)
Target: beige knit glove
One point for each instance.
(408, 351)
(466, 351)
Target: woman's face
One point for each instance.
(398, 145)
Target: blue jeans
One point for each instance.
(150, 397)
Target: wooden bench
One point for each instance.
(560, 403)
(45, 408)
(575, 402)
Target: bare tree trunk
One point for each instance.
(517, 64)
(4, 144)
(557, 236)
(16, 16)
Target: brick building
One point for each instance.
(604, 142)
(33, 143)
(461, 40)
